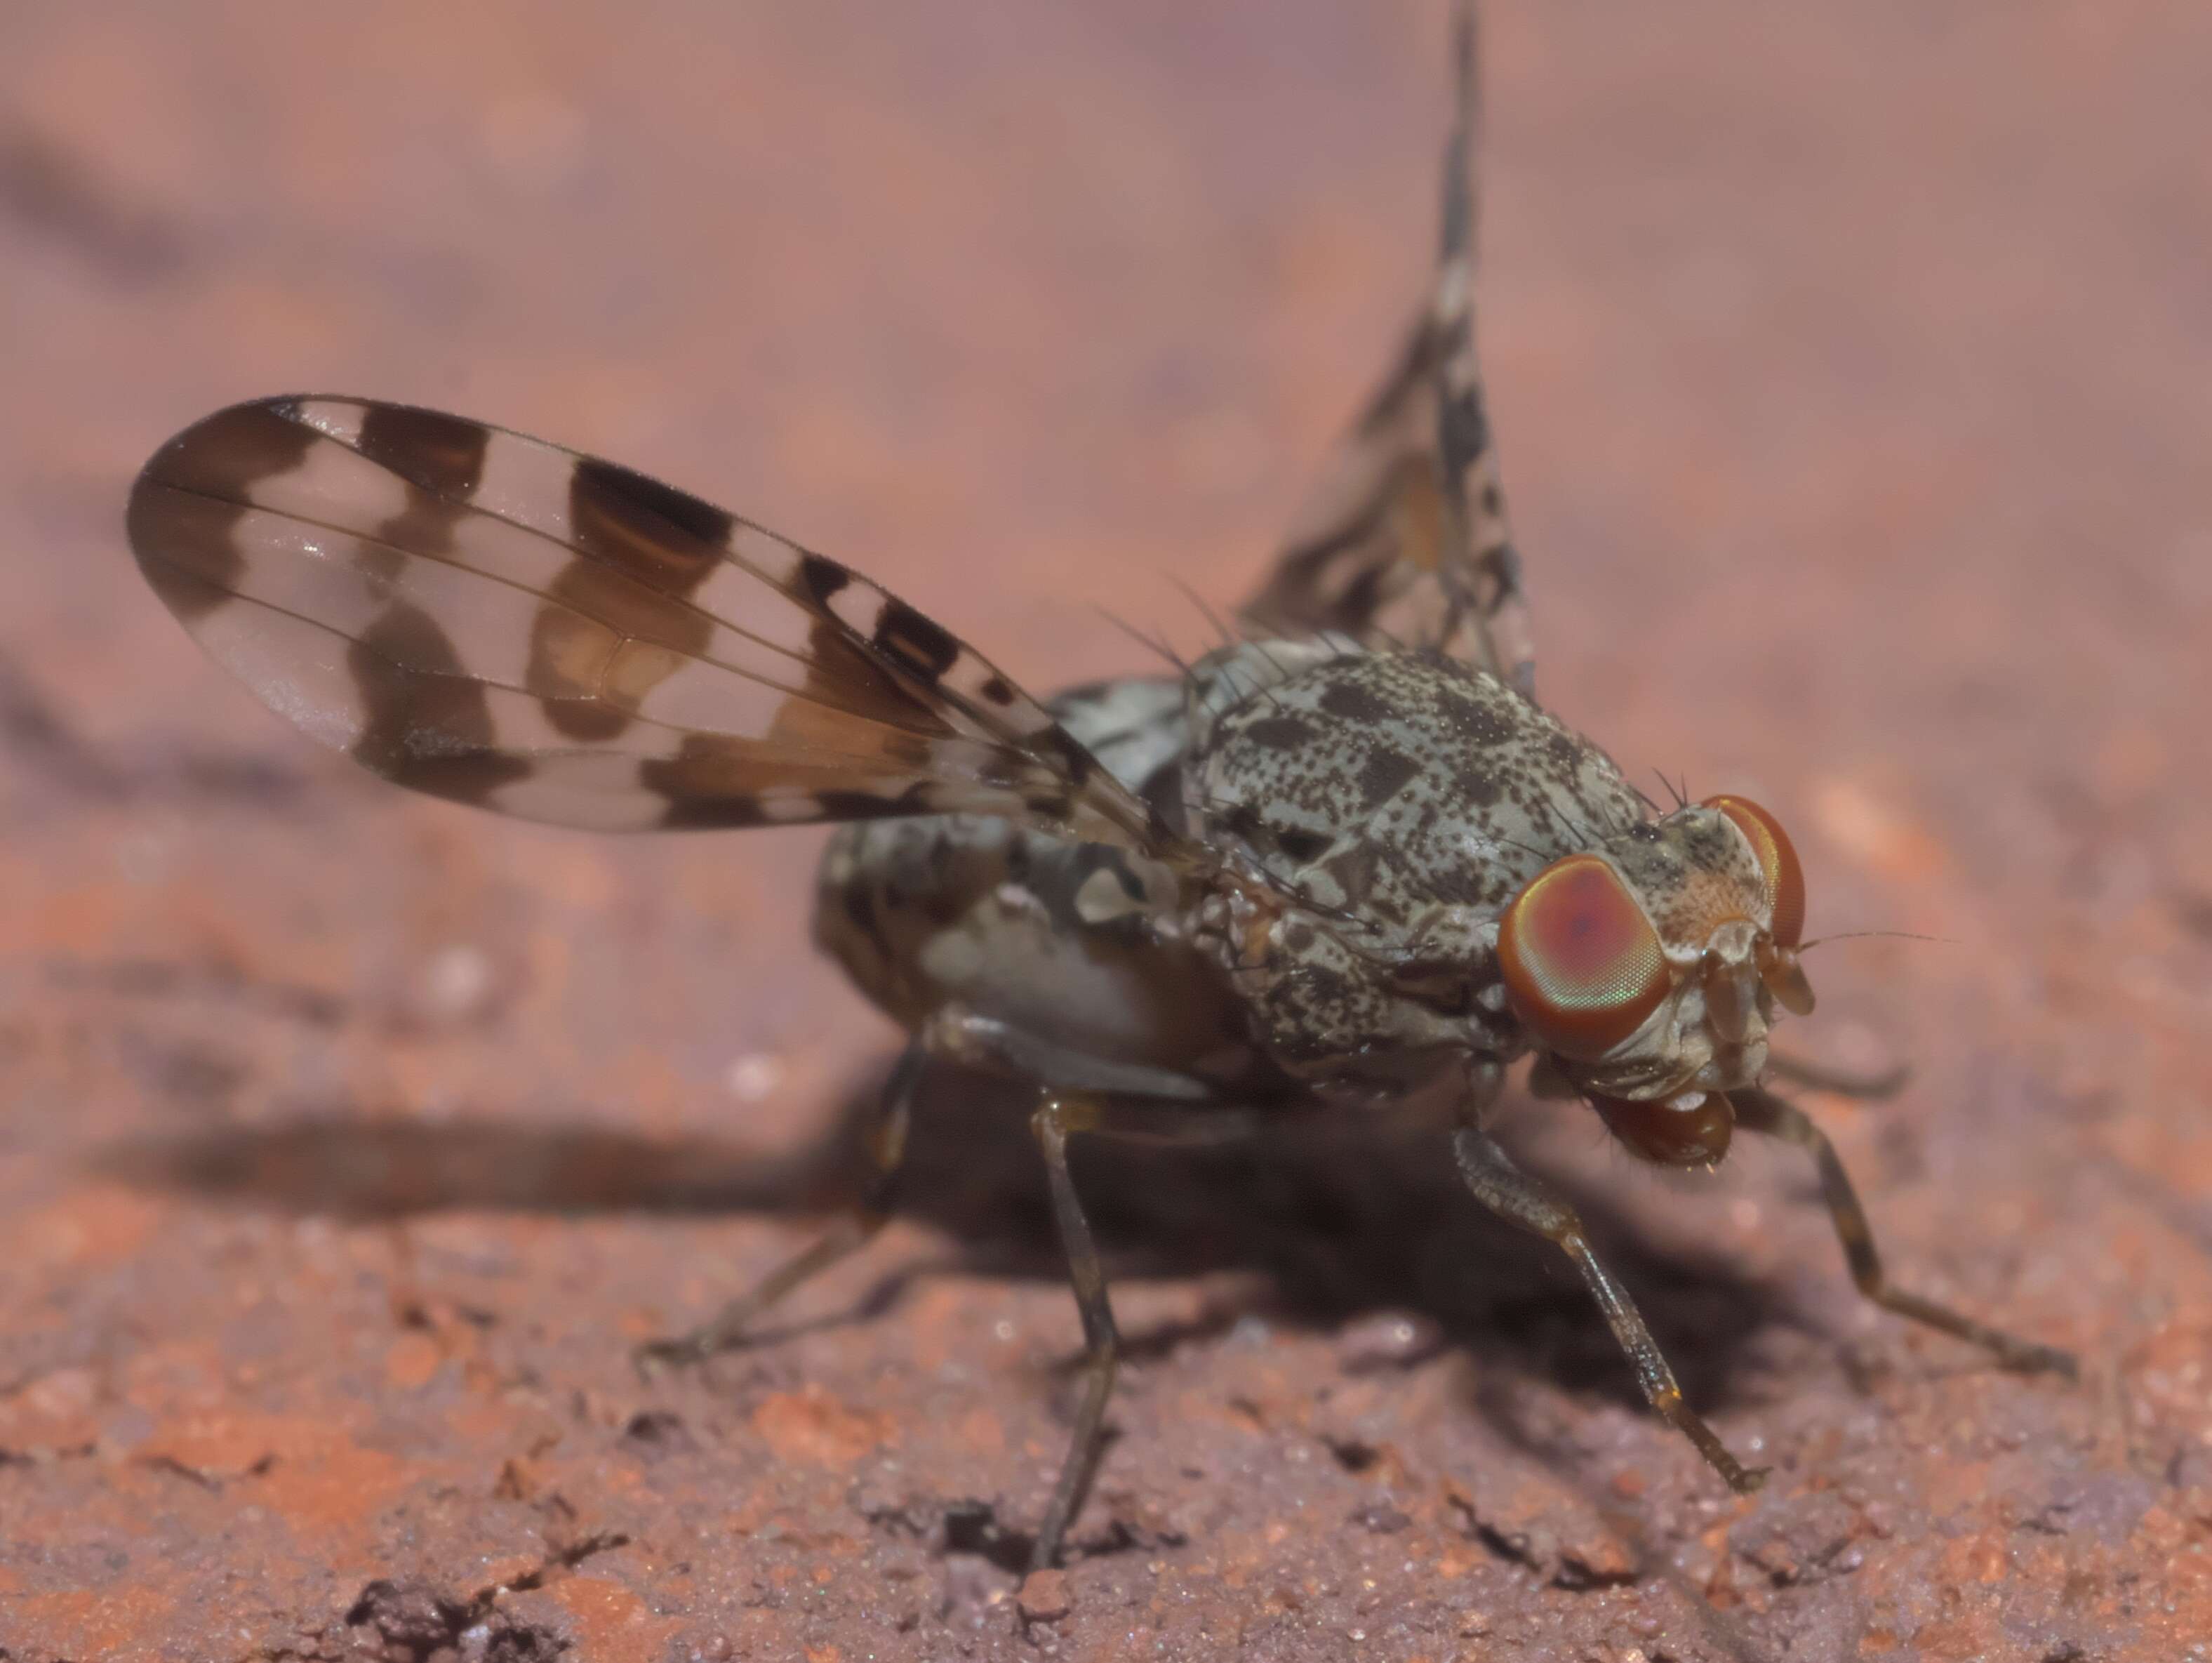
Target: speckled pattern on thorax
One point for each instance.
(1388, 784)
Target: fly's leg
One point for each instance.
(1054, 1119)
(886, 1146)
(1762, 1111)
(1524, 1200)
(1844, 1082)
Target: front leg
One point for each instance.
(1529, 1203)
(1761, 1111)
(1844, 1082)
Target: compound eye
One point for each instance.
(1582, 962)
(1778, 865)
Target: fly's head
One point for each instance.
(1648, 970)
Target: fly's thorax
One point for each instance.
(1395, 803)
(1381, 787)
(1332, 1008)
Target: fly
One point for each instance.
(1344, 857)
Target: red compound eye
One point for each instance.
(1582, 962)
(1778, 865)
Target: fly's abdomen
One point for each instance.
(1074, 946)
(1078, 948)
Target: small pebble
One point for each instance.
(1381, 1518)
(753, 1077)
(456, 983)
(1391, 1340)
(1043, 1596)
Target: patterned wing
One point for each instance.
(496, 620)
(1406, 542)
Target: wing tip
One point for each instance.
(194, 439)
(184, 499)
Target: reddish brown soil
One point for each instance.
(1852, 367)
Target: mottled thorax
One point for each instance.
(1397, 803)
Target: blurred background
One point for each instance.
(1852, 367)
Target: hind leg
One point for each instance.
(1057, 1118)
(886, 1146)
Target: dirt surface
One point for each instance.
(1851, 364)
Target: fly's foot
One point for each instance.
(652, 1358)
(2027, 1357)
(1743, 1480)
(1749, 1480)
(732, 1326)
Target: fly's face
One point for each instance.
(1648, 969)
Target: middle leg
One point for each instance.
(1057, 1118)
